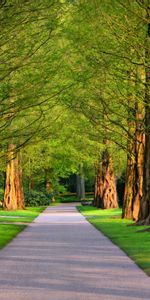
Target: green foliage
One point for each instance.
(36, 198)
(136, 245)
(65, 84)
(104, 40)
(1, 194)
(30, 56)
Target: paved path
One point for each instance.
(62, 257)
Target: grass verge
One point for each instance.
(135, 244)
(9, 231)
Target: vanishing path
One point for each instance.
(60, 256)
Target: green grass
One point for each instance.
(9, 231)
(135, 244)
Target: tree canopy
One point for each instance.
(75, 87)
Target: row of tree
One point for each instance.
(75, 90)
(111, 46)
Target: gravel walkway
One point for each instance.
(60, 256)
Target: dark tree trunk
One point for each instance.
(144, 216)
(13, 195)
(31, 183)
(80, 183)
(105, 184)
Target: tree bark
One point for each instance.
(136, 142)
(127, 212)
(80, 183)
(105, 184)
(144, 216)
(134, 172)
(13, 195)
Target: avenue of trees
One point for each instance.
(75, 99)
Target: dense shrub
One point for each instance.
(36, 198)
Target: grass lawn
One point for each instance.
(135, 244)
(9, 231)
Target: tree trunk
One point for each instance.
(129, 193)
(136, 141)
(80, 184)
(13, 195)
(139, 161)
(134, 173)
(48, 181)
(48, 185)
(31, 183)
(105, 185)
(134, 180)
(97, 186)
(144, 216)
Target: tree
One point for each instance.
(80, 183)
(61, 154)
(26, 37)
(117, 27)
(105, 184)
(59, 69)
(13, 196)
(136, 144)
(144, 217)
